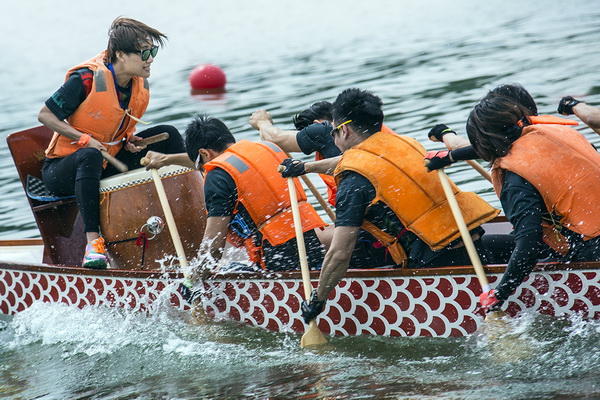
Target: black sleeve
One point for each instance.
(524, 207)
(317, 137)
(220, 193)
(464, 153)
(70, 95)
(354, 195)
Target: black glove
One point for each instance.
(437, 159)
(313, 308)
(565, 107)
(188, 292)
(292, 167)
(439, 131)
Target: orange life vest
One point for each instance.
(394, 165)
(100, 114)
(264, 193)
(565, 169)
(330, 180)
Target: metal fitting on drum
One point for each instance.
(154, 225)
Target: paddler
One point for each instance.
(547, 176)
(246, 199)
(94, 116)
(384, 190)
(313, 135)
(313, 126)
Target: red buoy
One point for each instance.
(207, 76)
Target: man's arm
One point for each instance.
(293, 167)
(589, 115)
(215, 236)
(156, 160)
(337, 259)
(261, 121)
(211, 248)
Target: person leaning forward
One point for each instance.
(96, 111)
(247, 200)
(547, 176)
(383, 189)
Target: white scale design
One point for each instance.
(439, 306)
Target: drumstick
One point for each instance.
(152, 139)
(119, 165)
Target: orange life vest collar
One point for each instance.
(545, 119)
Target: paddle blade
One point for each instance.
(312, 337)
(198, 314)
(506, 344)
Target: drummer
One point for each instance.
(95, 113)
(247, 199)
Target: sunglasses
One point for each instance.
(337, 128)
(146, 53)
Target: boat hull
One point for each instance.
(440, 305)
(440, 302)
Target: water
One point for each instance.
(430, 61)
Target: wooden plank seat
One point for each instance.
(57, 218)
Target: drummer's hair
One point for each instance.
(206, 132)
(128, 35)
(321, 110)
(361, 107)
(493, 126)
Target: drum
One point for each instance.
(131, 217)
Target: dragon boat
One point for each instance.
(435, 302)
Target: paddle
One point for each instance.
(464, 231)
(164, 201)
(312, 336)
(316, 193)
(506, 347)
(466, 236)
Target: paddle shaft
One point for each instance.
(482, 171)
(316, 193)
(464, 231)
(164, 201)
(300, 239)
(312, 336)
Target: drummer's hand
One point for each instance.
(131, 146)
(156, 160)
(258, 117)
(95, 144)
